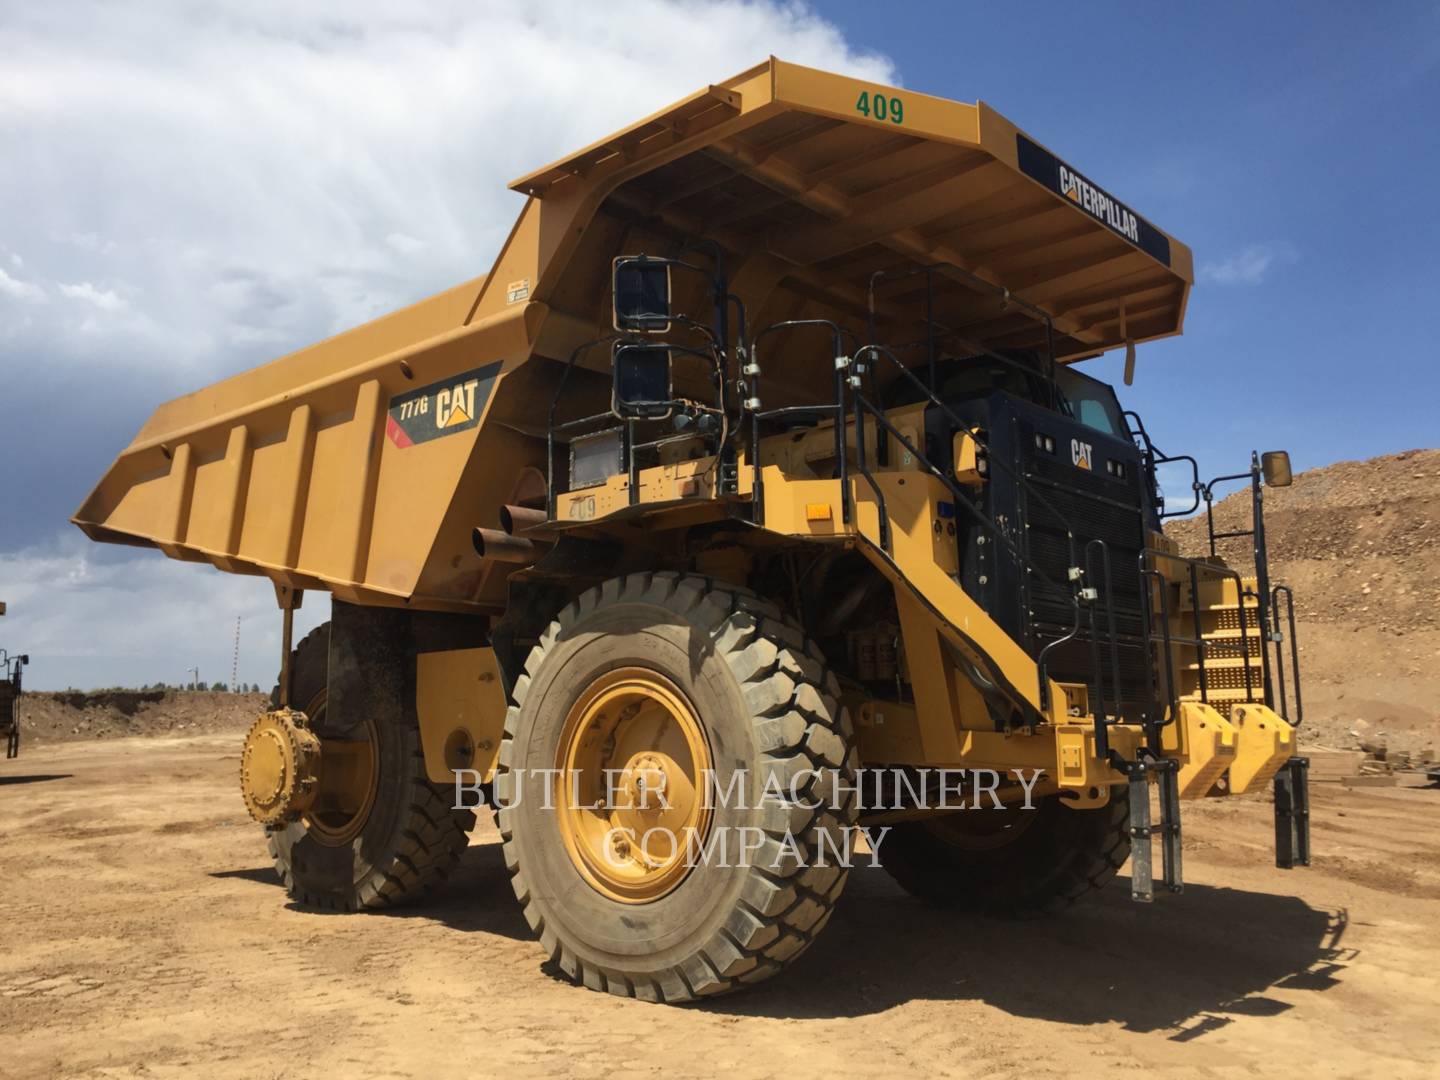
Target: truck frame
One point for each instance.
(759, 461)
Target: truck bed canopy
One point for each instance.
(813, 184)
(806, 185)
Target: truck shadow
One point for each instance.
(1184, 965)
(34, 778)
(476, 898)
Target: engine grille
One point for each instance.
(1096, 508)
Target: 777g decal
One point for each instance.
(442, 408)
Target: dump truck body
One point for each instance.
(790, 362)
(254, 473)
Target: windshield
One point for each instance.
(1091, 402)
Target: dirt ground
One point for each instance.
(64, 716)
(145, 935)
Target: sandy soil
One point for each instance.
(145, 935)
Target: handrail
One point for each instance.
(1155, 723)
(1102, 734)
(950, 414)
(753, 371)
(864, 408)
(1294, 655)
(550, 493)
(1155, 456)
(985, 522)
(1199, 642)
(952, 271)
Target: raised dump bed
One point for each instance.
(319, 470)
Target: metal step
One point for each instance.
(1223, 662)
(1142, 871)
(1292, 814)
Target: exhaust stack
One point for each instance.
(502, 547)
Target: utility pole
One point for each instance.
(235, 660)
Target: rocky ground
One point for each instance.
(1359, 542)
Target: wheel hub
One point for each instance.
(279, 767)
(632, 760)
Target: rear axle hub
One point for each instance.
(279, 767)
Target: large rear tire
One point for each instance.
(1012, 862)
(685, 674)
(403, 842)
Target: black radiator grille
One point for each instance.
(1096, 508)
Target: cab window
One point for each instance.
(1092, 402)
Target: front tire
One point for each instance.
(400, 842)
(641, 664)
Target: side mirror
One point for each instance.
(642, 388)
(1275, 467)
(640, 290)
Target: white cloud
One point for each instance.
(104, 299)
(91, 617)
(1251, 266)
(16, 289)
(346, 159)
(210, 186)
(405, 245)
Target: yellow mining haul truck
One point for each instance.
(753, 496)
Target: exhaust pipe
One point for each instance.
(518, 520)
(502, 547)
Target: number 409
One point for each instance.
(879, 107)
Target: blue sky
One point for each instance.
(199, 190)
(1294, 146)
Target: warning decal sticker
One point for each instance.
(443, 408)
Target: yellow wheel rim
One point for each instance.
(630, 830)
(348, 782)
(972, 830)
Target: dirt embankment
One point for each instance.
(1359, 542)
(70, 714)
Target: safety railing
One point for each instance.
(629, 447)
(1277, 638)
(1163, 638)
(848, 374)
